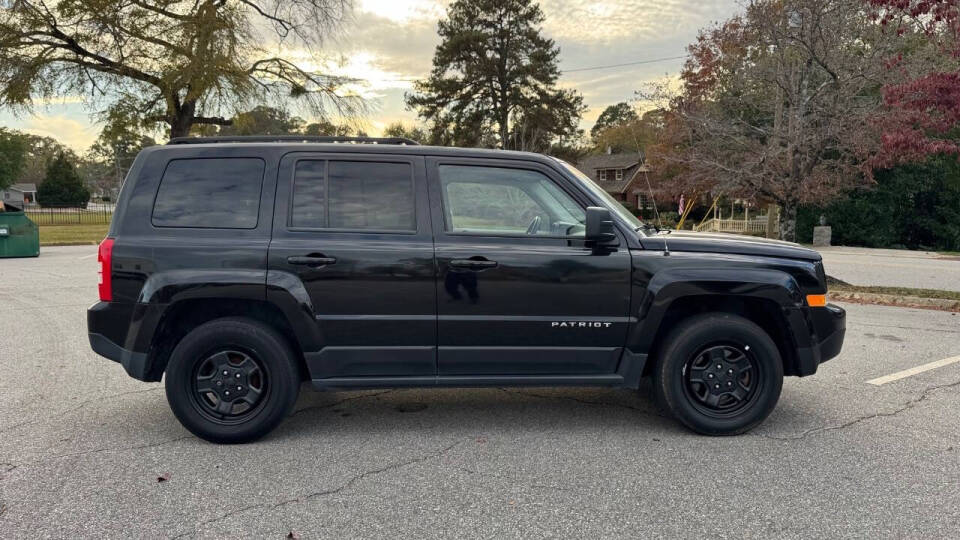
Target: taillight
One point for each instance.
(104, 277)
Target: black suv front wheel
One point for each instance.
(232, 380)
(719, 374)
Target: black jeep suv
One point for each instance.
(241, 267)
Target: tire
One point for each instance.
(718, 374)
(243, 358)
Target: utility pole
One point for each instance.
(773, 226)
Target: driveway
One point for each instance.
(82, 447)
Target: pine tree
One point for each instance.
(494, 79)
(62, 186)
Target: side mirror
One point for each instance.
(599, 227)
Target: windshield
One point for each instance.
(613, 204)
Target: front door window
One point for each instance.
(500, 201)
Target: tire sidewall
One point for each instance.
(716, 329)
(271, 350)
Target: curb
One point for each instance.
(940, 304)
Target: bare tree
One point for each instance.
(175, 62)
(776, 102)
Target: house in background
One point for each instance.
(620, 175)
(21, 195)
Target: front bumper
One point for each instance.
(828, 325)
(833, 327)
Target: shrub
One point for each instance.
(915, 206)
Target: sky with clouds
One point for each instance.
(390, 42)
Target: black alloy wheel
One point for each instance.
(229, 386)
(721, 380)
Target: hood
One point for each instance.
(728, 243)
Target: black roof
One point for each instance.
(611, 161)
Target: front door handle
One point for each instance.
(472, 264)
(312, 260)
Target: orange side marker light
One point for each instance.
(816, 300)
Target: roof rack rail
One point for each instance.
(293, 138)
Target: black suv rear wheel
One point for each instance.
(719, 374)
(232, 380)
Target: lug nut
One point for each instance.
(219, 383)
(729, 383)
(239, 388)
(719, 366)
(225, 372)
(730, 371)
(227, 392)
(717, 386)
(238, 375)
(709, 375)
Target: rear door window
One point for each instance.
(222, 193)
(353, 196)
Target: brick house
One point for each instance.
(620, 175)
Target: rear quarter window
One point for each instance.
(221, 193)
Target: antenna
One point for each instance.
(666, 248)
(653, 200)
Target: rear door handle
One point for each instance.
(472, 264)
(312, 260)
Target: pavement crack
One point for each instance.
(109, 449)
(883, 414)
(7, 468)
(372, 472)
(59, 414)
(335, 403)
(353, 480)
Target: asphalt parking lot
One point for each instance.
(82, 447)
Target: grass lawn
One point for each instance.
(834, 284)
(62, 235)
(899, 291)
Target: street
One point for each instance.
(892, 267)
(86, 451)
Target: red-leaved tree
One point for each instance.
(923, 112)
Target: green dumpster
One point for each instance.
(19, 237)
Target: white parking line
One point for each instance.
(913, 371)
(87, 256)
